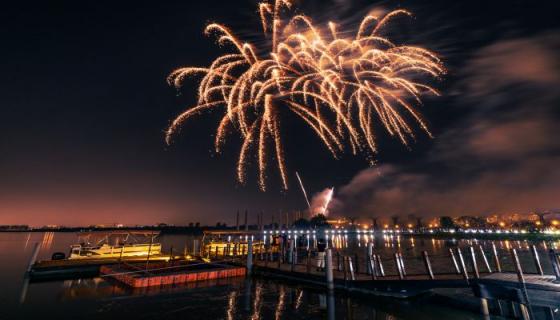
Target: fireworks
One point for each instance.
(340, 87)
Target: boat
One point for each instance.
(230, 243)
(113, 244)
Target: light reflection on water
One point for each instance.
(217, 299)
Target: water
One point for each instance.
(236, 298)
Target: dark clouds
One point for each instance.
(502, 155)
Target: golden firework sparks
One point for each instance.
(341, 87)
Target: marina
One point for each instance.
(495, 281)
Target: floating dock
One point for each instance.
(161, 274)
(78, 268)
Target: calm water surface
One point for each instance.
(237, 298)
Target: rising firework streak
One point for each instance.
(340, 86)
(328, 200)
(304, 192)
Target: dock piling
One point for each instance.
(398, 265)
(484, 307)
(537, 260)
(249, 256)
(452, 255)
(428, 264)
(401, 261)
(338, 266)
(369, 254)
(523, 308)
(463, 266)
(329, 269)
(380, 265)
(517, 265)
(486, 263)
(34, 255)
(555, 260)
(496, 258)
(149, 250)
(474, 264)
(371, 267)
(351, 269)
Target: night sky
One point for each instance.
(84, 105)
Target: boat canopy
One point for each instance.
(117, 237)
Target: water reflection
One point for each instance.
(223, 298)
(280, 304)
(232, 302)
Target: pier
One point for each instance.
(475, 269)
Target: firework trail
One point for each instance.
(304, 192)
(328, 200)
(341, 87)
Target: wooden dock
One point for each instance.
(476, 270)
(80, 268)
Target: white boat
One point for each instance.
(115, 244)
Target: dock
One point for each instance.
(477, 269)
(164, 274)
(80, 268)
(502, 284)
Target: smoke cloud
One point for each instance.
(323, 202)
(501, 157)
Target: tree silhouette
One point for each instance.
(319, 220)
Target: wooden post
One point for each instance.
(463, 266)
(452, 254)
(33, 258)
(120, 255)
(351, 269)
(357, 263)
(484, 307)
(380, 265)
(428, 264)
(496, 258)
(369, 255)
(150, 250)
(308, 261)
(171, 254)
(329, 269)
(537, 260)
(338, 266)
(249, 256)
(280, 253)
(474, 264)
(517, 266)
(524, 312)
(401, 260)
(344, 267)
(291, 252)
(371, 267)
(485, 259)
(398, 264)
(266, 255)
(555, 263)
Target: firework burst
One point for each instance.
(341, 87)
